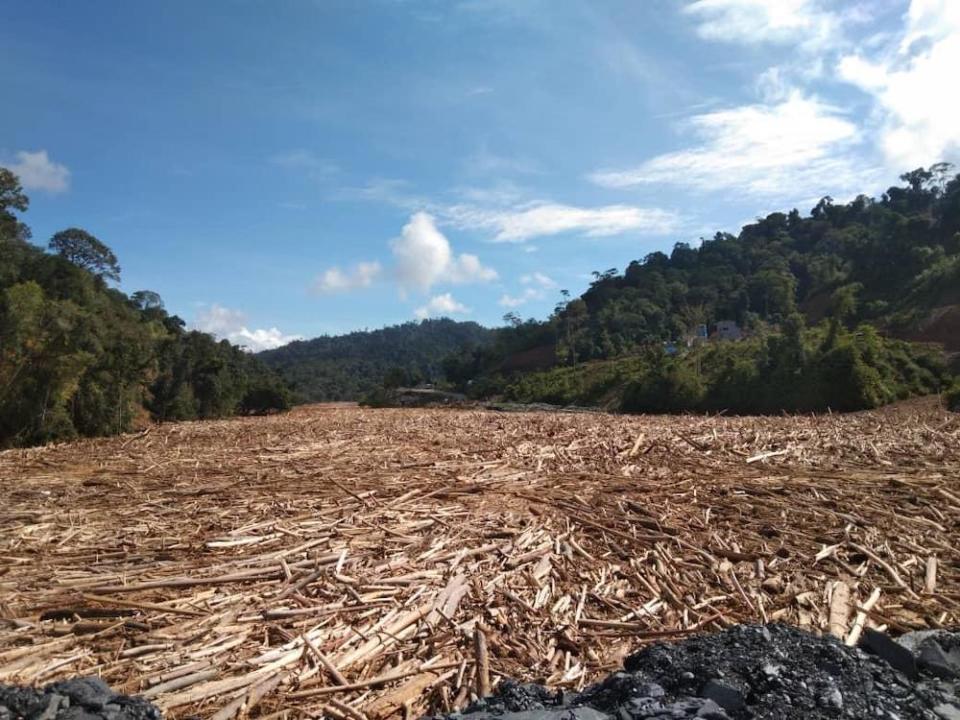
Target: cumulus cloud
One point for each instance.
(228, 324)
(441, 306)
(793, 149)
(534, 220)
(804, 22)
(38, 172)
(909, 80)
(334, 280)
(424, 258)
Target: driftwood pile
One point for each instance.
(365, 563)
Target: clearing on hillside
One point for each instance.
(370, 562)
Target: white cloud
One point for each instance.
(910, 80)
(441, 306)
(334, 280)
(507, 211)
(424, 258)
(541, 219)
(538, 278)
(467, 268)
(795, 22)
(536, 286)
(515, 301)
(230, 325)
(794, 149)
(38, 172)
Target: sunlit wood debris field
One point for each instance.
(372, 563)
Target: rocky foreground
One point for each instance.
(749, 671)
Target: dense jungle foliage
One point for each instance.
(847, 270)
(79, 357)
(797, 370)
(346, 367)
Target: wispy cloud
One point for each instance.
(507, 214)
(539, 279)
(796, 22)
(334, 280)
(228, 324)
(544, 219)
(38, 172)
(441, 306)
(792, 149)
(536, 286)
(908, 77)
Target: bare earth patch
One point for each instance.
(371, 562)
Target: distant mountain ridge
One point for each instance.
(346, 367)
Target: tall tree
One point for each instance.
(87, 252)
(12, 198)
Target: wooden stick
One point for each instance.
(885, 565)
(371, 683)
(179, 683)
(325, 661)
(483, 661)
(930, 581)
(142, 605)
(861, 618)
(839, 609)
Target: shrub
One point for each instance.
(670, 388)
(953, 397)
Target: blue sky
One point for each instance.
(282, 169)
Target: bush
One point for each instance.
(953, 397)
(670, 388)
(265, 399)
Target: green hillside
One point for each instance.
(79, 357)
(859, 273)
(346, 367)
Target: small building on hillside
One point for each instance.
(697, 337)
(728, 330)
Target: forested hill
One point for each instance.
(345, 367)
(79, 357)
(890, 265)
(892, 262)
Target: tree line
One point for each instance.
(78, 357)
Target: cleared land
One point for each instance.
(372, 562)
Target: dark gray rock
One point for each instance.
(757, 672)
(892, 652)
(936, 661)
(723, 694)
(912, 640)
(78, 699)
